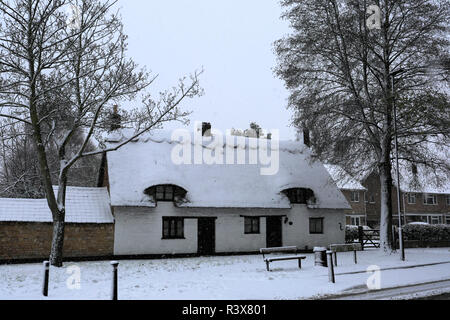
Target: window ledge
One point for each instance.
(173, 238)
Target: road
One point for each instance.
(433, 290)
(445, 297)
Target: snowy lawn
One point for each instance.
(221, 278)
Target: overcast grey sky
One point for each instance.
(231, 39)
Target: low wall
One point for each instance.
(30, 241)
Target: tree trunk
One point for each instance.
(385, 169)
(56, 254)
(385, 166)
(57, 207)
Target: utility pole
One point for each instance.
(400, 224)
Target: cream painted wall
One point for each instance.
(298, 234)
(138, 231)
(231, 237)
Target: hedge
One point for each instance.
(411, 232)
(351, 234)
(426, 233)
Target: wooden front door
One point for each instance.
(206, 236)
(274, 232)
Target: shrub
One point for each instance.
(351, 234)
(427, 232)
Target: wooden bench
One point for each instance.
(269, 260)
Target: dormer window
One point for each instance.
(166, 193)
(300, 196)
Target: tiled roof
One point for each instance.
(83, 205)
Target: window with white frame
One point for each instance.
(417, 218)
(447, 220)
(430, 199)
(355, 221)
(355, 196)
(436, 220)
(412, 199)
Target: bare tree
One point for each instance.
(83, 65)
(339, 71)
(19, 173)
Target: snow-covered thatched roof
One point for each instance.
(344, 180)
(83, 205)
(147, 162)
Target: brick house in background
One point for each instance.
(26, 226)
(354, 192)
(421, 201)
(424, 199)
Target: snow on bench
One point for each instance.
(269, 260)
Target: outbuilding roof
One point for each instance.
(83, 205)
(344, 180)
(147, 162)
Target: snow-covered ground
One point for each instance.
(220, 278)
